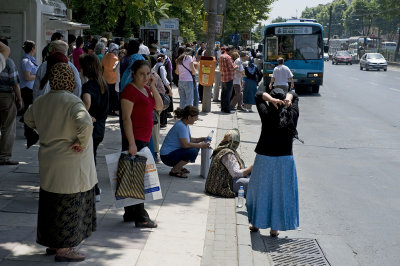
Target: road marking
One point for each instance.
(393, 89)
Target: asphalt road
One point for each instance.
(349, 166)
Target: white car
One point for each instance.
(373, 61)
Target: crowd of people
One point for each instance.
(65, 101)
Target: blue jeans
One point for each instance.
(173, 158)
(186, 91)
(226, 94)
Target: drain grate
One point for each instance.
(297, 251)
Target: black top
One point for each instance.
(98, 107)
(275, 141)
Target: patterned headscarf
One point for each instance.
(230, 141)
(62, 77)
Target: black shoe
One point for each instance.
(148, 224)
(128, 219)
(169, 115)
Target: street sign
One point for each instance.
(234, 38)
(219, 25)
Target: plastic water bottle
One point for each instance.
(240, 197)
(210, 135)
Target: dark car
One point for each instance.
(342, 57)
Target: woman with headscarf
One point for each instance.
(272, 195)
(67, 213)
(227, 170)
(250, 86)
(127, 62)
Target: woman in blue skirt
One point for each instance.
(272, 196)
(250, 86)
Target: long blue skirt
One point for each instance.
(272, 194)
(249, 91)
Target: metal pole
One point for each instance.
(330, 24)
(212, 21)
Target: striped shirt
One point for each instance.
(9, 76)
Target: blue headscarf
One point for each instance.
(127, 76)
(251, 67)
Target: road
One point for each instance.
(349, 166)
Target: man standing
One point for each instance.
(9, 91)
(143, 49)
(227, 70)
(281, 76)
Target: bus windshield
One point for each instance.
(293, 46)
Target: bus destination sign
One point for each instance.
(293, 30)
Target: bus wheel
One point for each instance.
(315, 88)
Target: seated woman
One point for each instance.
(227, 171)
(179, 148)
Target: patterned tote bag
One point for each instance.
(130, 176)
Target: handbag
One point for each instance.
(130, 176)
(166, 100)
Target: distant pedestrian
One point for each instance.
(179, 147)
(95, 95)
(186, 70)
(227, 69)
(143, 49)
(59, 54)
(281, 76)
(10, 102)
(78, 51)
(111, 66)
(67, 212)
(159, 68)
(54, 37)
(250, 87)
(29, 68)
(272, 195)
(237, 83)
(100, 50)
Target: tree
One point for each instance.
(391, 9)
(122, 17)
(242, 15)
(278, 19)
(360, 13)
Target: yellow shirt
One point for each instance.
(60, 119)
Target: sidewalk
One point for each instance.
(193, 228)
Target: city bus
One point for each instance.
(300, 43)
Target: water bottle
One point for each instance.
(210, 135)
(240, 197)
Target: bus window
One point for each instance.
(271, 49)
(306, 47)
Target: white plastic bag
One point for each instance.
(152, 186)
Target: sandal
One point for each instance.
(253, 228)
(70, 256)
(148, 224)
(178, 174)
(185, 171)
(274, 233)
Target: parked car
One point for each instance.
(342, 57)
(326, 57)
(373, 61)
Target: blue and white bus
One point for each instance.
(300, 43)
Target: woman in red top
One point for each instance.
(137, 104)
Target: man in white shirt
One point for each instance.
(143, 49)
(281, 76)
(237, 82)
(4, 53)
